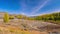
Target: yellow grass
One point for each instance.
(17, 30)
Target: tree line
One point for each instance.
(53, 16)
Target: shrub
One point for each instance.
(6, 17)
(11, 17)
(19, 17)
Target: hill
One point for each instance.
(53, 17)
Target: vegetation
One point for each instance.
(11, 17)
(29, 18)
(21, 17)
(54, 17)
(6, 18)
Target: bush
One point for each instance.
(6, 17)
(11, 17)
(19, 17)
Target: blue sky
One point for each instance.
(30, 7)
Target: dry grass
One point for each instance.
(16, 27)
(16, 30)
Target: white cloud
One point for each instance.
(36, 9)
(47, 12)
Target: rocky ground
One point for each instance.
(28, 27)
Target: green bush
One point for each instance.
(6, 18)
(19, 17)
(11, 17)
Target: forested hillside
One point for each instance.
(53, 17)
